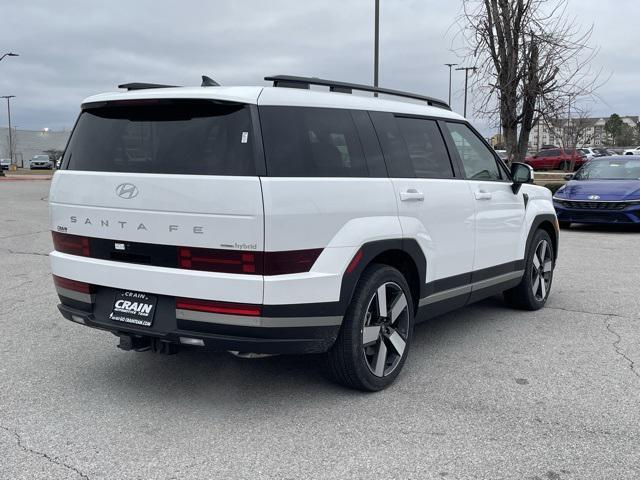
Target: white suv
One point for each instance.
(289, 220)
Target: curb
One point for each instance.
(20, 178)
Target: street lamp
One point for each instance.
(376, 45)
(466, 79)
(450, 65)
(9, 97)
(9, 54)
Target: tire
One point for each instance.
(534, 289)
(371, 348)
(564, 224)
(564, 166)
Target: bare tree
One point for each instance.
(533, 61)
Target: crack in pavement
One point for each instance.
(14, 252)
(17, 235)
(46, 456)
(590, 313)
(616, 346)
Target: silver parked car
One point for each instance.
(40, 161)
(5, 163)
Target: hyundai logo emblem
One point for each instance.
(594, 197)
(127, 191)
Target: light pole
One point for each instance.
(9, 97)
(450, 65)
(9, 54)
(376, 45)
(466, 82)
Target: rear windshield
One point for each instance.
(192, 137)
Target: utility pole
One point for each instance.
(450, 65)
(376, 45)
(466, 84)
(539, 122)
(9, 97)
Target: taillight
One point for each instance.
(225, 261)
(210, 306)
(72, 244)
(74, 285)
(256, 263)
(291, 261)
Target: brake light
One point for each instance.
(210, 306)
(71, 244)
(291, 261)
(225, 261)
(74, 285)
(252, 263)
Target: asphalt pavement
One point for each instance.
(487, 392)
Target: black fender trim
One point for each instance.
(535, 225)
(369, 251)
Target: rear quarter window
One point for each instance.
(311, 142)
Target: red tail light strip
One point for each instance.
(257, 263)
(71, 244)
(209, 259)
(73, 285)
(218, 307)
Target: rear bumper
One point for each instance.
(286, 335)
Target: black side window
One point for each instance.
(553, 153)
(478, 161)
(393, 145)
(426, 148)
(311, 142)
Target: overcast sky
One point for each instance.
(70, 49)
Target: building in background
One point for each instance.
(585, 132)
(27, 143)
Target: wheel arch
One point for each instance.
(548, 223)
(403, 254)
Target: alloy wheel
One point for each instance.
(385, 330)
(541, 270)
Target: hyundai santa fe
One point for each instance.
(283, 219)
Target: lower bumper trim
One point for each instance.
(308, 339)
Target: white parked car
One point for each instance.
(589, 153)
(40, 161)
(632, 151)
(5, 163)
(289, 220)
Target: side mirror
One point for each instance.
(520, 173)
(568, 176)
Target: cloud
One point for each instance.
(72, 49)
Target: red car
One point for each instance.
(555, 159)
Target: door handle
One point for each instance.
(482, 195)
(410, 195)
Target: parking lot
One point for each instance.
(487, 392)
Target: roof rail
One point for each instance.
(290, 81)
(143, 86)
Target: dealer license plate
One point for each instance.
(135, 308)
